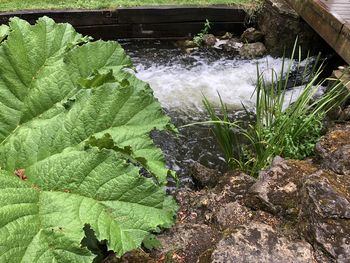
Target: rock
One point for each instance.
(233, 45)
(202, 207)
(345, 114)
(258, 242)
(325, 215)
(190, 50)
(188, 240)
(199, 207)
(185, 44)
(251, 35)
(203, 176)
(234, 185)
(334, 150)
(220, 44)
(209, 40)
(276, 189)
(252, 50)
(232, 215)
(227, 35)
(136, 256)
(281, 25)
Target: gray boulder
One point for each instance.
(258, 242)
(325, 215)
(334, 150)
(277, 189)
(188, 240)
(281, 25)
(235, 185)
(251, 35)
(232, 215)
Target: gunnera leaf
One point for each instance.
(4, 30)
(51, 183)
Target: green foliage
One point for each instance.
(7, 5)
(302, 146)
(198, 39)
(290, 131)
(151, 242)
(4, 30)
(74, 145)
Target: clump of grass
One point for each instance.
(198, 39)
(290, 132)
(13, 5)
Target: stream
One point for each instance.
(180, 81)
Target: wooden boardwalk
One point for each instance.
(330, 19)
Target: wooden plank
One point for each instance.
(303, 7)
(159, 31)
(74, 17)
(138, 15)
(149, 15)
(343, 47)
(330, 25)
(142, 22)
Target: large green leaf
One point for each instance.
(75, 147)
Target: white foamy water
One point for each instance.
(182, 86)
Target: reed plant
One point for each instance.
(280, 127)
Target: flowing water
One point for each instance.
(180, 80)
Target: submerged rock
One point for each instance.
(325, 215)
(277, 189)
(185, 44)
(251, 35)
(258, 242)
(252, 50)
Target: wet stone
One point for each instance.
(227, 35)
(209, 40)
(252, 50)
(233, 45)
(258, 242)
(185, 44)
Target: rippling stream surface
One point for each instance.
(180, 80)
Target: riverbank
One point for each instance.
(16, 5)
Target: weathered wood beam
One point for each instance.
(330, 25)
